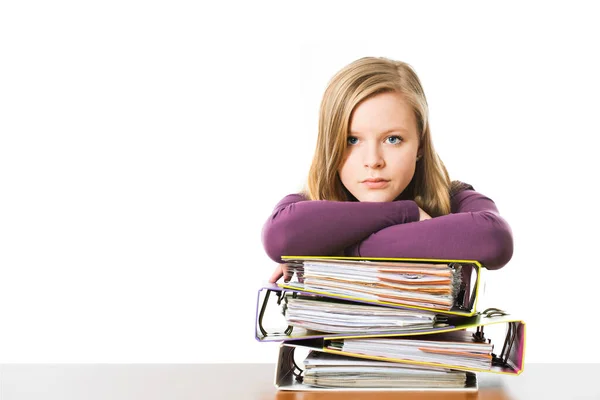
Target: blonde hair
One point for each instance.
(364, 78)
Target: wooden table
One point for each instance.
(255, 382)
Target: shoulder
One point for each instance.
(290, 199)
(464, 198)
(458, 192)
(457, 187)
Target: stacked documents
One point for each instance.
(338, 316)
(328, 370)
(457, 349)
(393, 324)
(431, 285)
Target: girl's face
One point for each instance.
(380, 157)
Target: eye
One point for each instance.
(394, 139)
(352, 140)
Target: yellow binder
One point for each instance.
(465, 303)
(509, 361)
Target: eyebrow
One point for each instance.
(384, 133)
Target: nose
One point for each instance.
(373, 157)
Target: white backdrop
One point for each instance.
(143, 146)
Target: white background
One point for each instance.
(144, 144)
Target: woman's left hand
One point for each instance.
(278, 273)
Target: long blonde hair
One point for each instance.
(364, 78)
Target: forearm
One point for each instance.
(328, 227)
(483, 236)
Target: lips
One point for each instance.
(375, 183)
(375, 180)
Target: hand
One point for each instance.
(280, 270)
(423, 215)
(278, 273)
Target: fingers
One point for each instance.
(278, 273)
(287, 272)
(423, 215)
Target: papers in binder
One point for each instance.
(385, 324)
(338, 316)
(456, 349)
(329, 370)
(435, 285)
(283, 314)
(463, 347)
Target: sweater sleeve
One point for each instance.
(473, 231)
(300, 227)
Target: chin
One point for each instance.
(375, 198)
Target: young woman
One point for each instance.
(377, 188)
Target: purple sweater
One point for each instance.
(474, 230)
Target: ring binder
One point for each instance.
(333, 306)
(464, 304)
(287, 377)
(510, 360)
(290, 333)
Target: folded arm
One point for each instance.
(473, 231)
(325, 228)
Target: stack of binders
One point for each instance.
(351, 323)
